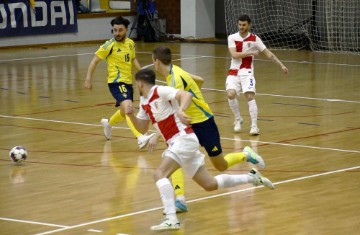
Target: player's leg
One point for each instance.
(167, 166)
(123, 94)
(210, 183)
(124, 106)
(120, 92)
(249, 94)
(232, 89)
(177, 179)
(209, 137)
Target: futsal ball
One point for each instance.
(18, 154)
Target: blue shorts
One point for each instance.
(209, 137)
(121, 91)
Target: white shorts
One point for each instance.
(185, 151)
(241, 83)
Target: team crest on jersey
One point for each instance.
(125, 95)
(248, 44)
(156, 105)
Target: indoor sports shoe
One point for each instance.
(254, 158)
(107, 128)
(144, 140)
(254, 130)
(237, 124)
(260, 180)
(166, 224)
(181, 206)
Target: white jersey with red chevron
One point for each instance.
(244, 66)
(161, 107)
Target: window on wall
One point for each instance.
(104, 5)
(120, 4)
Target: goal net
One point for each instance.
(319, 25)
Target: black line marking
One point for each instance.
(74, 101)
(310, 124)
(267, 120)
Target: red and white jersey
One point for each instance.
(161, 107)
(244, 66)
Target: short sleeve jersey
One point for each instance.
(244, 66)
(161, 107)
(119, 57)
(198, 110)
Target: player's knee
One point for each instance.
(231, 95)
(221, 167)
(158, 174)
(249, 96)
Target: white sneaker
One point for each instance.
(260, 180)
(254, 130)
(144, 140)
(180, 206)
(237, 124)
(166, 224)
(254, 158)
(107, 128)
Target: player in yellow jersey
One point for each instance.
(119, 54)
(202, 122)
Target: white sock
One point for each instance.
(167, 197)
(234, 106)
(253, 110)
(228, 181)
(180, 197)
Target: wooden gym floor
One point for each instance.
(75, 182)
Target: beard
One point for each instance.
(119, 38)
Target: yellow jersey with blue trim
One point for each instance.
(198, 110)
(119, 57)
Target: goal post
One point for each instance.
(319, 25)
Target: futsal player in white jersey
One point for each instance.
(243, 46)
(165, 107)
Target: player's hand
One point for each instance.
(153, 143)
(286, 71)
(185, 119)
(88, 84)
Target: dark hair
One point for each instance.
(146, 75)
(163, 54)
(120, 20)
(245, 18)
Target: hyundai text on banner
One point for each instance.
(17, 17)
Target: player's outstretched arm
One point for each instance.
(90, 71)
(273, 57)
(198, 80)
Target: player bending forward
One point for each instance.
(164, 106)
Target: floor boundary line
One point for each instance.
(198, 199)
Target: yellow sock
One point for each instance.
(116, 118)
(177, 179)
(235, 158)
(132, 128)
